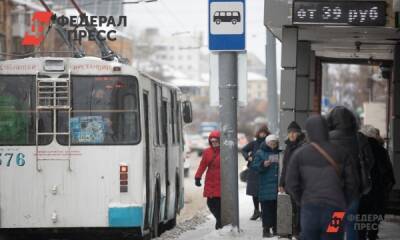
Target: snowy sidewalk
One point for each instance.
(251, 230)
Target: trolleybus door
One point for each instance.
(147, 153)
(164, 121)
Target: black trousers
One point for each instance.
(214, 204)
(269, 209)
(296, 218)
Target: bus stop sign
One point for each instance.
(226, 24)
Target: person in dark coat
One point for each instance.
(212, 189)
(373, 204)
(343, 131)
(295, 140)
(316, 185)
(248, 153)
(266, 163)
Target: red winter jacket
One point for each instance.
(211, 162)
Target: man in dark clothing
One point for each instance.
(315, 183)
(343, 129)
(295, 139)
(373, 204)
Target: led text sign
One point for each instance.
(354, 13)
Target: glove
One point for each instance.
(198, 182)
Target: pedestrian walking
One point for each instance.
(319, 179)
(266, 162)
(212, 188)
(248, 153)
(343, 131)
(294, 140)
(372, 205)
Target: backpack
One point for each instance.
(367, 160)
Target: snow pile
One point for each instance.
(185, 226)
(230, 232)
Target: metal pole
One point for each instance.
(273, 112)
(228, 96)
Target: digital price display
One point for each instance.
(353, 13)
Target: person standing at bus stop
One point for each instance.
(266, 163)
(320, 179)
(249, 152)
(212, 187)
(295, 140)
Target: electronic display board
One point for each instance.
(353, 13)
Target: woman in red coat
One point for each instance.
(212, 187)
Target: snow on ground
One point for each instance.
(249, 230)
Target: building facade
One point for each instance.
(181, 52)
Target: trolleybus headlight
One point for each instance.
(54, 65)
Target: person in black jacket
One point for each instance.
(295, 139)
(372, 205)
(319, 187)
(249, 152)
(343, 131)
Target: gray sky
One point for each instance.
(173, 16)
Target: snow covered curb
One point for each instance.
(187, 225)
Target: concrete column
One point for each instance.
(297, 63)
(273, 112)
(395, 121)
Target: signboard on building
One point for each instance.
(227, 26)
(352, 13)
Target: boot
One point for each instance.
(267, 233)
(256, 215)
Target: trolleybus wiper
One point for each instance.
(106, 52)
(78, 52)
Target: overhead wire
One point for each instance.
(169, 11)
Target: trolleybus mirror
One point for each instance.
(187, 112)
(385, 70)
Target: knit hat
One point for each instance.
(294, 127)
(271, 138)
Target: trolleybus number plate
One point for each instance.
(9, 159)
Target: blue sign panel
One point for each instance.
(227, 25)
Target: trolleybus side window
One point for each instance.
(156, 114)
(178, 122)
(173, 122)
(18, 112)
(108, 115)
(164, 121)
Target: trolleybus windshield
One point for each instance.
(105, 111)
(17, 112)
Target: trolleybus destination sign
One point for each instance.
(354, 13)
